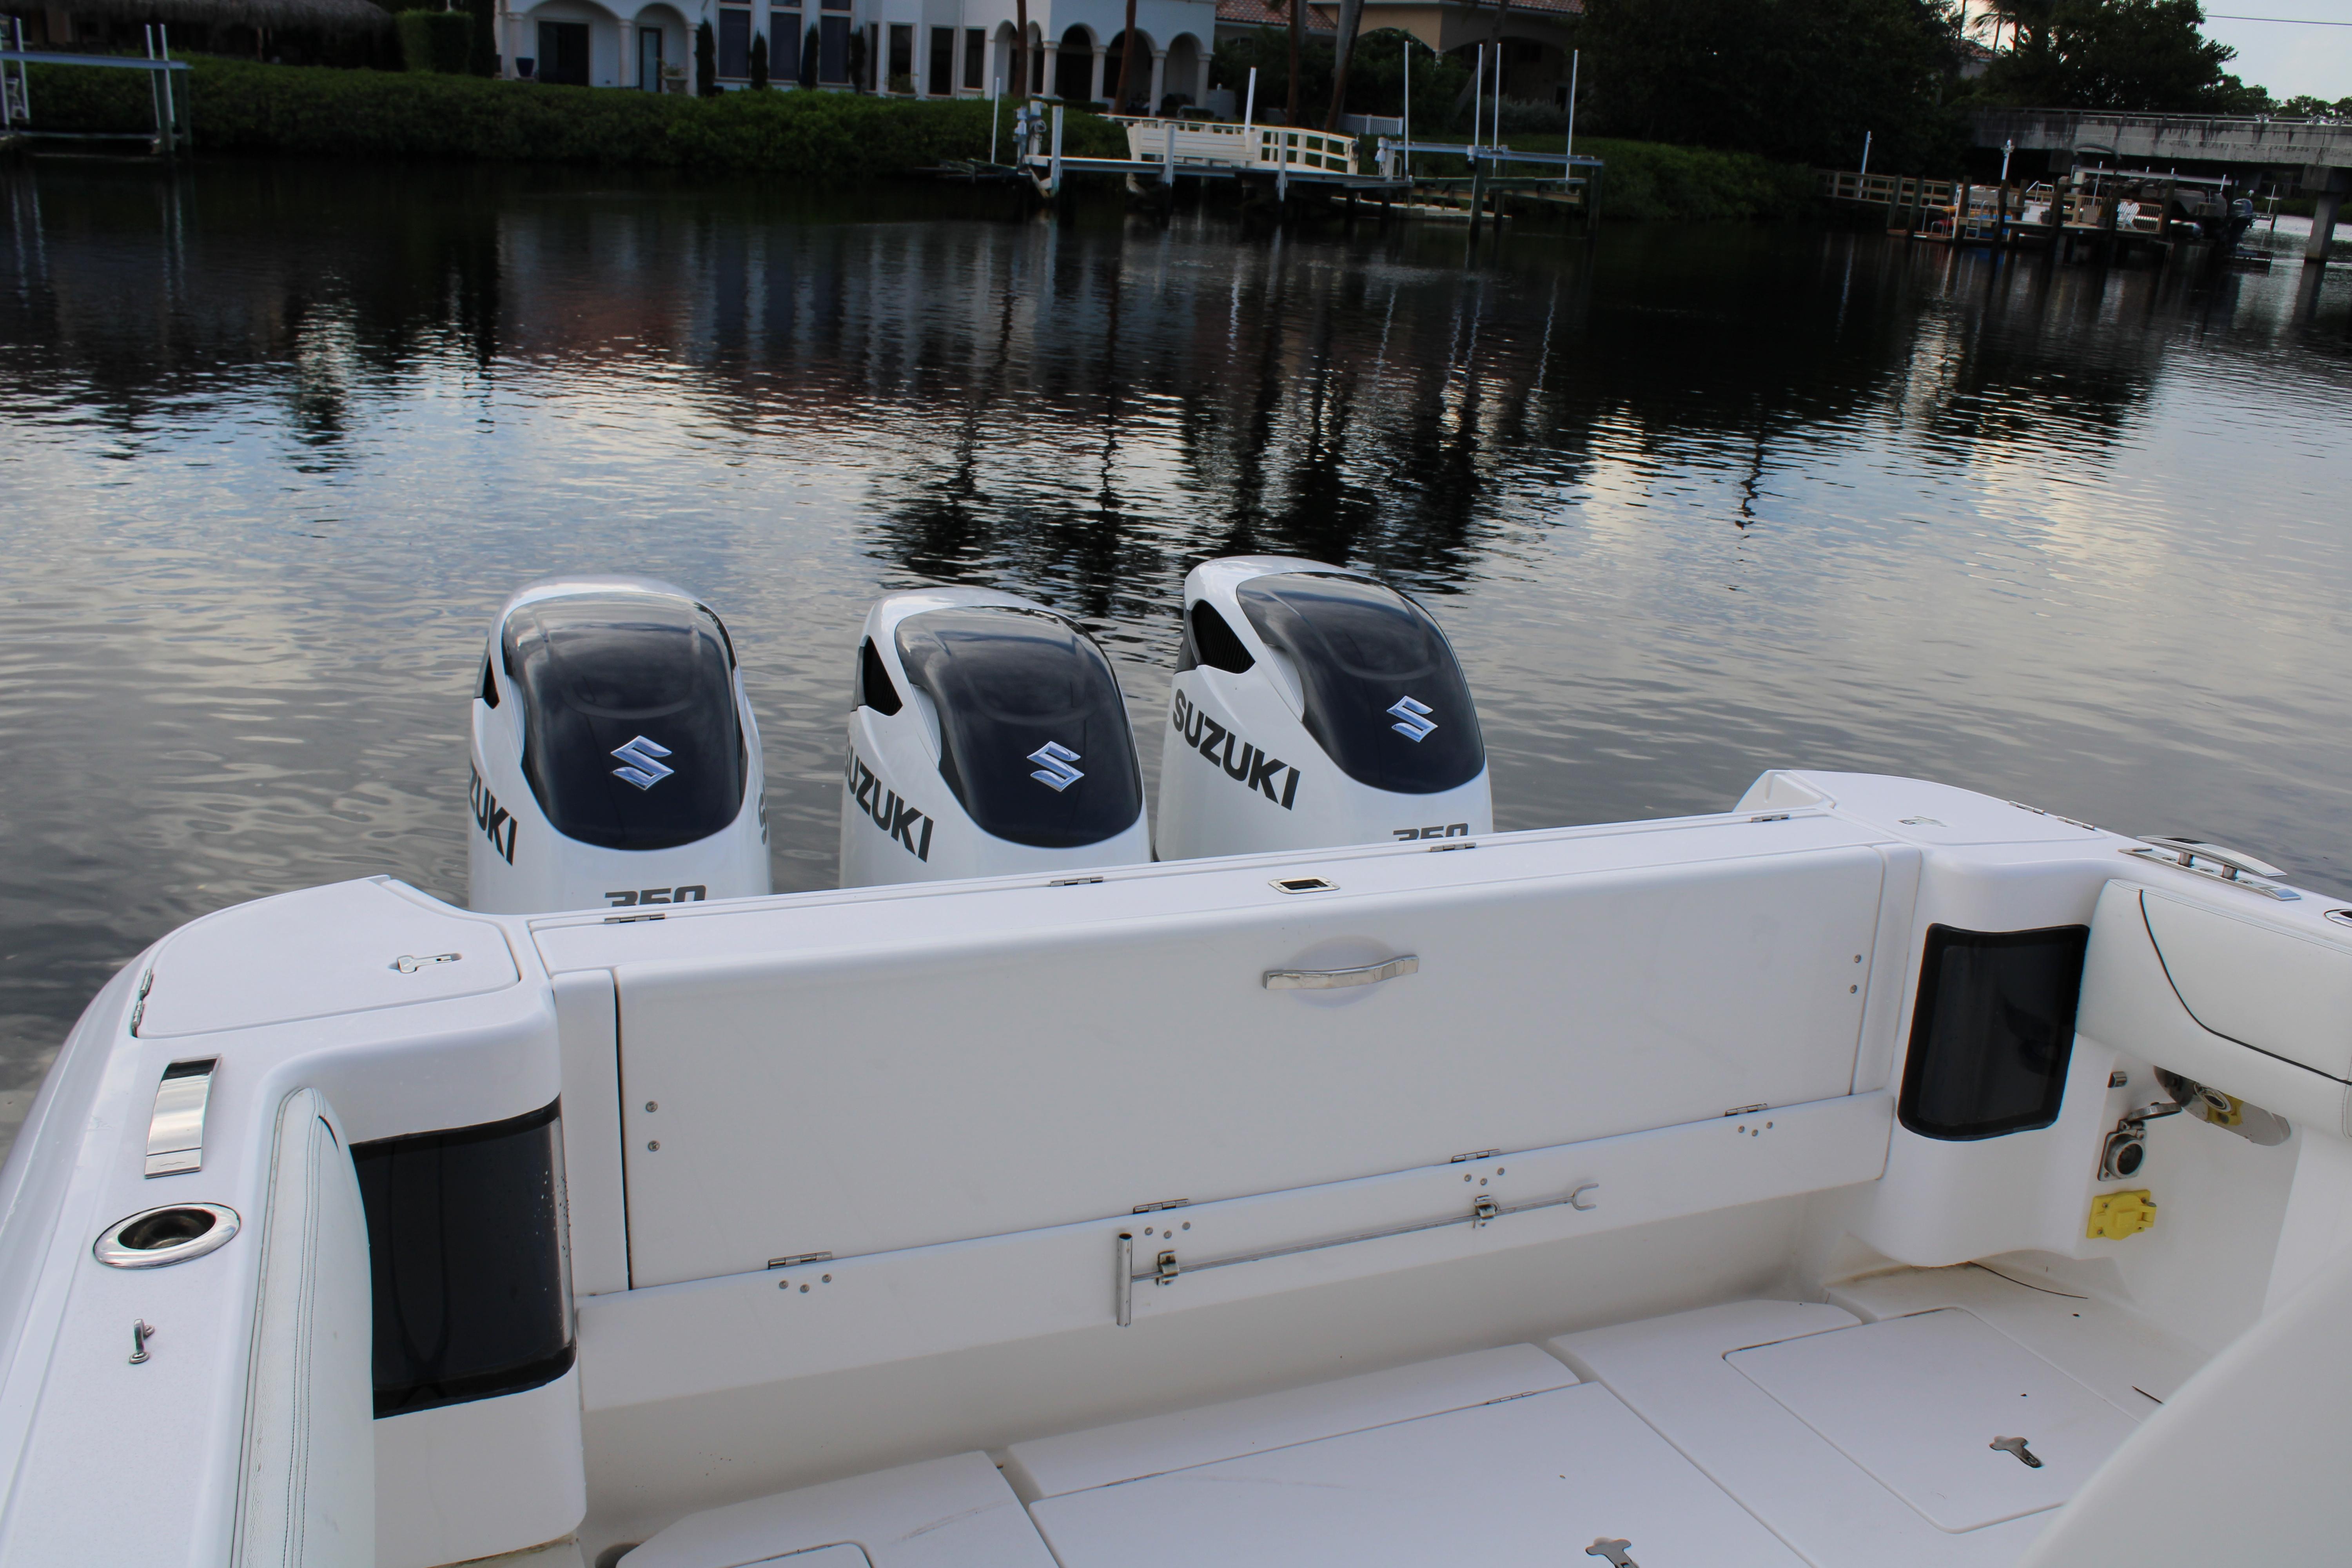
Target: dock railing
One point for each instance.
(1255, 147)
(2002, 214)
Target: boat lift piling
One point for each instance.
(169, 105)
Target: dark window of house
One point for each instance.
(902, 58)
(975, 58)
(833, 48)
(942, 61)
(467, 1260)
(784, 48)
(734, 43)
(1993, 1031)
(563, 53)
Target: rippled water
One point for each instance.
(275, 440)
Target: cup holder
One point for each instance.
(154, 1237)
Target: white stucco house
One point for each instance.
(924, 48)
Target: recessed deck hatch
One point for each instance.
(1920, 1401)
(1532, 1479)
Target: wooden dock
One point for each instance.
(2111, 210)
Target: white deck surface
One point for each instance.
(1839, 1436)
(1527, 1483)
(1158, 1444)
(1918, 1402)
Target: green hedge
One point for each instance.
(435, 40)
(822, 138)
(1656, 181)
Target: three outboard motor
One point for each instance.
(1313, 707)
(615, 760)
(989, 736)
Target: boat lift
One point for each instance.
(1163, 150)
(167, 89)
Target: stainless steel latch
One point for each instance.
(1332, 979)
(1165, 1269)
(2016, 1446)
(175, 1130)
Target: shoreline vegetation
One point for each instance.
(825, 140)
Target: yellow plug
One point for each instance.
(2115, 1216)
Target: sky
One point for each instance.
(2289, 61)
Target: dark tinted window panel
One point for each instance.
(1009, 684)
(1993, 1031)
(1385, 697)
(466, 1245)
(597, 674)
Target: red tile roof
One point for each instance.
(1261, 14)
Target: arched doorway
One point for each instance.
(1139, 86)
(1074, 67)
(1182, 78)
(658, 38)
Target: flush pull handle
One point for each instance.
(1333, 979)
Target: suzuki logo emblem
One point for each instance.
(644, 771)
(1413, 719)
(1054, 769)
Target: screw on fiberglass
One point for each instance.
(988, 736)
(1313, 706)
(615, 760)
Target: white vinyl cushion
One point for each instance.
(2278, 991)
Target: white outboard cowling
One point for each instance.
(988, 737)
(615, 760)
(1314, 706)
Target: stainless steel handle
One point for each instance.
(1333, 979)
(2184, 849)
(2233, 866)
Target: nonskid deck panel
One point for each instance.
(1723, 1436)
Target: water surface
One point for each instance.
(275, 439)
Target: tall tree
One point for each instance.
(1019, 49)
(2146, 56)
(1290, 104)
(1125, 61)
(1351, 17)
(706, 62)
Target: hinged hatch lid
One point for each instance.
(1951, 1415)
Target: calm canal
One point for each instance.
(275, 440)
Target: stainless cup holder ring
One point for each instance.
(151, 1238)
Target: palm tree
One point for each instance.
(1352, 15)
(2025, 19)
(1125, 61)
(1290, 104)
